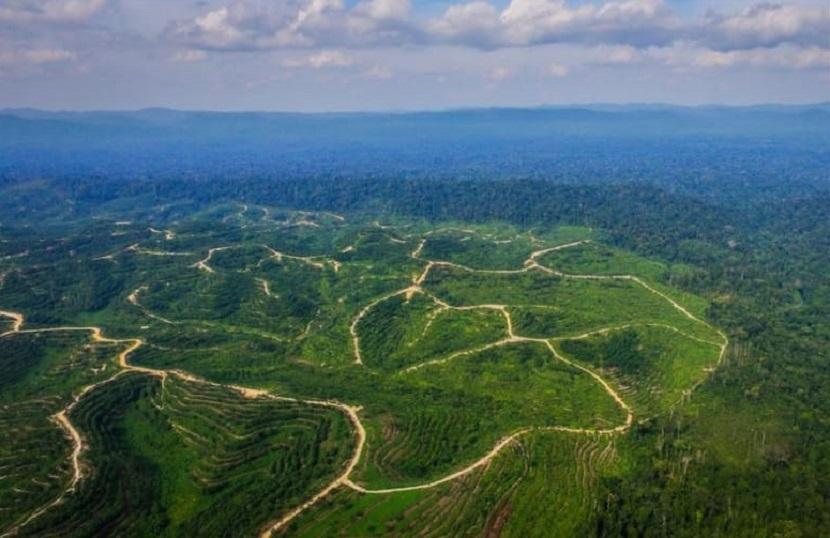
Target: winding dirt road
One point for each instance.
(79, 445)
(344, 478)
(531, 263)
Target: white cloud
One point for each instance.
(610, 32)
(500, 73)
(330, 58)
(379, 72)
(250, 25)
(558, 70)
(190, 56)
(779, 58)
(48, 56)
(473, 23)
(533, 22)
(29, 11)
(216, 27)
(768, 25)
(685, 56)
(321, 60)
(37, 57)
(384, 9)
(257, 24)
(620, 54)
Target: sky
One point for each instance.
(337, 55)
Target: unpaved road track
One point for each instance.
(344, 478)
(530, 264)
(79, 446)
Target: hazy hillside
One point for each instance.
(721, 153)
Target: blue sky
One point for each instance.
(315, 55)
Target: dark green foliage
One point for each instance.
(19, 356)
(120, 497)
(190, 460)
(621, 350)
(38, 375)
(478, 252)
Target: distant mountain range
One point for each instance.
(103, 128)
(167, 113)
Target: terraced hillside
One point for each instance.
(190, 459)
(249, 370)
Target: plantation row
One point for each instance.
(555, 470)
(654, 366)
(188, 459)
(39, 374)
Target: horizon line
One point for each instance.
(569, 106)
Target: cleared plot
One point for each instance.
(524, 385)
(221, 355)
(389, 326)
(462, 288)
(561, 474)
(300, 240)
(193, 460)
(597, 259)
(478, 252)
(567, 234)
(327, 340)
(52, 363)
(556, 471)
(397, 333)
(471, 402)
(418, 443)
(652, 366)
(377, 246)
(50, 293)
(239, 257)
(38, 375)
(279, 300)
(454, 330)
(234, 214)
(444, 511)
(546, 306)
(459, 508)
(33, 459)
(296, 222)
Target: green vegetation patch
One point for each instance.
(597, 259)
(476, 251)
(38, 375)
(523, 384)
(545, 306)
(277, 301)
(495, 392)
(210, 351)
(397, 333)
(189, 459)
(556, 470)
(653, 366)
